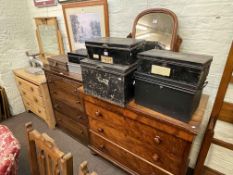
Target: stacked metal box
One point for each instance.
(108, 73)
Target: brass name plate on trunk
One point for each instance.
(107, 59)
(159, 70)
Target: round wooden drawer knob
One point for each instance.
(102, 147)
(101, 130)
(155, 157)
(157, 140)
(98, 113)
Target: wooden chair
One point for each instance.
(45, 157)
(83, 169)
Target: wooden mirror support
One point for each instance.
(48, 21)
(219, 107)
(176, 39)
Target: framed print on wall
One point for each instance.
(45, 3)
(85, 20)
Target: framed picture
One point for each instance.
(45, 3)
(85, 20)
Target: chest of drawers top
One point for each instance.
(35, 79)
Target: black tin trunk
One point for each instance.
(113, 83)
(114, 50)
(188, 70)
(175, 101)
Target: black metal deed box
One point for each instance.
(77, 55)
(113, 83)
(171, 83)
(114, 50)
(184, 69)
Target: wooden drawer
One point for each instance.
(124, 158)
(40, 111)
(58, 83)
(152, 153)
(74, 128)
(71, 112)
(29, 88)
(147, 135)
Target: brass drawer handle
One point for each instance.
(100, 130)
(157, 140)
(156, 157)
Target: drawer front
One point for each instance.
(124, 157)
(40, 111)
(72, 127)
(65, 90)
(152, 153)
(137, 130)
(29, 88)
(36, 109)
(71, 112)
(65, 85)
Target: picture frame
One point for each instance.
(85, 20)
(45, 3)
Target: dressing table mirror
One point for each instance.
(49, 38)
(158, 27)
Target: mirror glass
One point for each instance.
(49, 41)
(156, 27)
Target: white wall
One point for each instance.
(205, 26)
(15, 38)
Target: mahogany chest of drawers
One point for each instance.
(139, 140)
(35, 95)
(67, 104)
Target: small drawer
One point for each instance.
(65, 85)
(40, 111)
(104, 115)
(74, 128)
(124, 157)
(71, 112)
(28, 88)
(151, 153)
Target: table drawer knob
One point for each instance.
(155, 157)
(102, 147)
(157, 140)
(98, 113)
(101, 130)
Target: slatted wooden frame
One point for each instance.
(45, 157)
(221, 111)
(83, 169)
